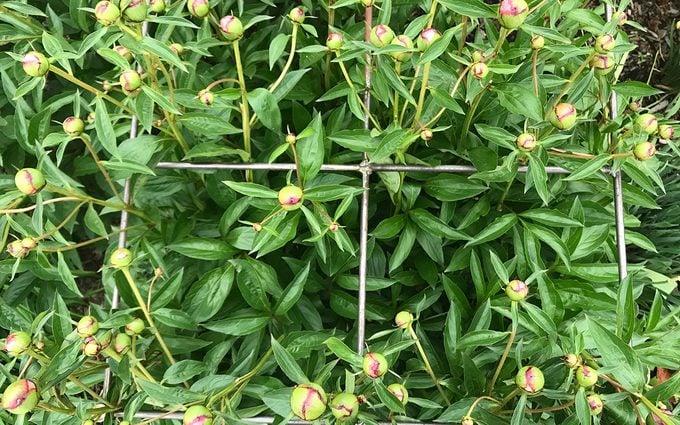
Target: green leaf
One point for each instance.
(168, 395)
(239, 325)
(292, 293)
(390, 401)
(266, 107)
(161, 99)
(452, 187)
(93, 222)
(499, 227)
(164, 52)
(66, 275)
(437, 48)
(276, 48)
(521, 100)
(497, 135)
(114, 57)
(253, 190)
(582, 409)
(518, 413)
(182, 371)
(287, 363)
(311, 149)
(551, 218)
(203, 249)
(102, 122)
(552, 240)
(635, 89)
(470, 8)
(207, 124)
(391, 143)
(433, 225)
(616, 355)
(343, 352)
(206, 297)
(481, 338)
(404, 246)
(589, 168)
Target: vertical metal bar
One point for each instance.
(618, 186)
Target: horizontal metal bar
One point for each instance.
(256, 420)
(460, 169)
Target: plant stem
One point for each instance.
(242, 379)
(90, 391)
(565, 154)
(508, 346)
(245, 108)
(222, 80)
(476, 402)
(289, 62)
(297, 165)
(395, 102)
(469, 116)
(433, 12)
(329, 54)
(32, 207)
(89, 88)
(572, 79)
(73, 212)
(535, 71)
(351, 86)
(96, 201)
(410, 90)
(86, 140)
(421, 97)
(87, 242)
(452, 94)
(428, 367)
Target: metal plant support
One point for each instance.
(365, 168)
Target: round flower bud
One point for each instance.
(426, 38)
(87, 326)
(467, 421)
(646, 123)
(91, 422)
(130, 80)
(106, 13)
(516, 290)
(73, 126)
(605, 43)
(16, 249)
(308, 401)
(404, 41)
(124, 423)
(290, 198)
(381, 35)
(603, 64)
(595, 404)
(426, 135)
(297, 15)
(231, 27)
(257, 227)
(586, 376)
(136, 11)
(530, 379)
(122, 343)
(666, 132)
(177, 48)
(334, 41)
(106, 85)
(620, 17)
(121, 257)
(157, 6)
(374, 365)
(644, 151)
(20, 397)
(198, 8)
(477, 56)
(403, 319)
(291, 138)
(512, 13)
(206, 97)
(135, 327)
(35, 64)
(29, 181)
(479, 70)
(333, 227)
(537, 42)
(197, 415)
(563, 116)
(345, 406)
(571, 360)
(91, 347)
(526, 142)
(399, 391)
(634, 106)
(17, 343)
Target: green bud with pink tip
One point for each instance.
(374, 365)
(571, 360)
(198, 8)
(120, 258)
(130, 81)
(563, 116)
(537, 42)
(512, 13)
(403, 41)
(136, 11)
(17, 343)
(644, 151)
(124, 52)
(399, 391)
(467, 420)
(122, 343)
(35, 64)
(157, 6)
(21, 248)
(530, 379)
(290, 198)
(603, 64)
(20, 397)
(231, 27)
(666, 132)
(646, 123)
(29, 181)
(586, 376)
(344, 406)
(427, 37)
(595, 404)
(308, 401)
(526, 142)
(197, 415)
(381, 35)
(297, 15)
(605, 43)
(107, 13)
(87, 326)
(403, 319)
(516, 290)
(135, 327)
(206, 97)
(334, 41)
(73, 126)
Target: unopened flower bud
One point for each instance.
(91, 347)
(135, 327)
(595, 404)
(308, 401)
(644, 151)
(333, 227)
(29, 181)
(563, 116)
(91, 422)
(297, 15)
(20, 397)
(512, 13)
(157, 6)
(344, 406)
(73, 126)
(427, 37)
(197, 415)
(374, 365)
(426, 135)
(467, 421)
(290, 198)
(198, 8)
(399, 391)
(603, 64)
(231, 27)
(647, 123)
(516, 290)
(122, 343)
(257, 227)
(106, 13)
(130, 81)
(87, 326)
(526, 142)
(136, 11)
(537, 42)
(121, 257)
(334, 41)
(21, 248)
(530, 379)
(634, 106)
(381, 35)
(291, 138)
(403, 319)
(666, 132)
(586, 376)
(403, 41)
(605, 43)
(479, 70)
(206, 97)
(35, 64)
(17, 343)
(106, 85)
(177, 48)
(571, 360)
(620, 17)
(477, 56)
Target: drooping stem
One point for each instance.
(245, 109)
(508, 346)
(428, 367)
(73, 212)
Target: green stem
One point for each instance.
(476, 402)
(572, 79)
(395, 103)
(508, 346)
(433, 12)
(651, 406)
(242, 379)
(361, 102)
(245, 109)
(73, 212)
(410, 90)
(289, 62)
(421, 97)
(90, 391)
(89, 241)
(78, 196)
(505, 193)
(86, 140)
(89, 88)
(469, 116)
(428, 367)
(535, 71)
(452, 94)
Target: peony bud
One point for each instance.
(516, 290)
(571, 360)
(646, 123)
(130, 81)
(73, 126)
(603, 64)
(291, 138)
(586, 376)
(345, 406)
(381, 35)
(197, 415)
(135, 327)
(666, 132)
(563, 116)
(20, 397)
(29, 181)
(257, 227)
(91, 347)
(21, 248)
(512, 13)
(333, 227)
(537, 42)
(290, 198)
(334, 41)
(595, 404)
(477, 56)
(374, 365)
(124, 52)
(122, 343)
(526, 142)
(308, 401)
(297, 15)
(121, 257)
(427, 37)
(634, 106)
(467, 421)
(106, 13)
(403, 319)
(644, 151)
(206, 97)
(399, 391)
(87, 326)
(35, 64)
(157, 6)
(231, 27)
(91, 422)
(177, 48)
(404, 41)
(17, 343)
(198, 8)
(426, 135)
(620, 17)
(136, 11)
(106, 85)
(530, 379)
(605, 43)
(479, 70)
